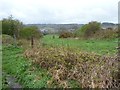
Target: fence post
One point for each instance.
(32, 42)
(15, 41)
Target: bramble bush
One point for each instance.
(66, 34)
(88, 69)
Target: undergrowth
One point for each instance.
(86, 69)
(50, 67)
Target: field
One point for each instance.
(16, 65)
(66, 63)
(103, 47)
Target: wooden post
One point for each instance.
(15, 41)
(32, 42)
(53, 36)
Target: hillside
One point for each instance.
(54, 28)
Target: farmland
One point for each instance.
(84, 58)
(98, 46)
(37, 67)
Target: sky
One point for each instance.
(60, 11)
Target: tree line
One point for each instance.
(17, 29)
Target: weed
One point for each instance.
(89, 69)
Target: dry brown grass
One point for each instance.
(89, 69)
(27, 43)
(106, 34)
(6, 39)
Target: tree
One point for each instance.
(30, 31)
(0, 27)
(11, 26)
(92, 28)
(88, 30)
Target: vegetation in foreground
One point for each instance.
(59, 67)
(88, 69)
(56, 66)
(16, 65)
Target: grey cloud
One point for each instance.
(60, 11)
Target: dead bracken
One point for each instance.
(89, 69)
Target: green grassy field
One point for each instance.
(16, 65)
(97, 46)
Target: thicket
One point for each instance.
(93, 30)
(106, 34)
(7, 39)
(88, 69)
(88, 30)
(66, 34)
(16, 29)
(11, 26)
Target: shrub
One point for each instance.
(88, 30)
(7, 39)
(31, 31)
(89, 69)
(65, 34)
(11, 26)
(105, 34)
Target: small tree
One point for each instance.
(92, 28)
(11, 26)
(30, 31)
(88, 30)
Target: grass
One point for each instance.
(29, 75)
(18, 66)
(97, 46)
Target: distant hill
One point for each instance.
(109, 25)
(67, 27)
(58, 26)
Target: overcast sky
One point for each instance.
(60, 11)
